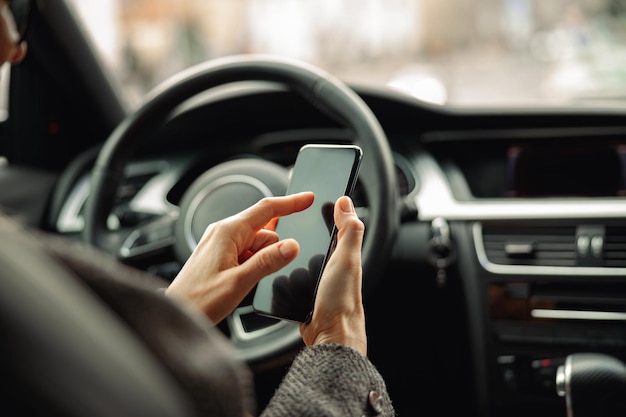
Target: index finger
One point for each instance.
(268, 208)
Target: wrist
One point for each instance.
(345, 331)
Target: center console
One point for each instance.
(551, 291)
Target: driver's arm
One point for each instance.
(332, 376)
(331, 379)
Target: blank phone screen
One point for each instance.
(329, 171)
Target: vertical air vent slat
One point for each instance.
(615, 247)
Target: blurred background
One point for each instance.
(452, 52)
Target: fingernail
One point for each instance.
(288, 249)
(346, 205)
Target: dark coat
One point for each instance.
(85, 335)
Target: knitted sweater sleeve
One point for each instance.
(330, 380)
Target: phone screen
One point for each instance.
(330, 171)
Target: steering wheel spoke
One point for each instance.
(245, 325)
(149, 237)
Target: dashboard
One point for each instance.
(531, 203)
(539, 218)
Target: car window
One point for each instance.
(449, 52)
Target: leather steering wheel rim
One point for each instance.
(323, 91)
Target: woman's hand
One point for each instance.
(338, 316)
(10, 50)
(235, 253)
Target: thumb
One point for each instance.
(268, 260)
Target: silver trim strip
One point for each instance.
(239, 332)
(128, 251)
(435, 199)
(70, 220)
(195, 203)
(540, 313)
(568, 386)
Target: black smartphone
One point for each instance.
(330, 171)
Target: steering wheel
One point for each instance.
(247, 179)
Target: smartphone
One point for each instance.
(329, 171)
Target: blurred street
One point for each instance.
(488, 53)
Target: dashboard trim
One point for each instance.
(587, 315)
(435, 199)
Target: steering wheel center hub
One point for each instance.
(223, 191)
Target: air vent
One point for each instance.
(530, 245)
(137, 175)
(130, 214)
(615, 247)
(584, 245)
(131, 186)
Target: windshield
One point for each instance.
(448, 52)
